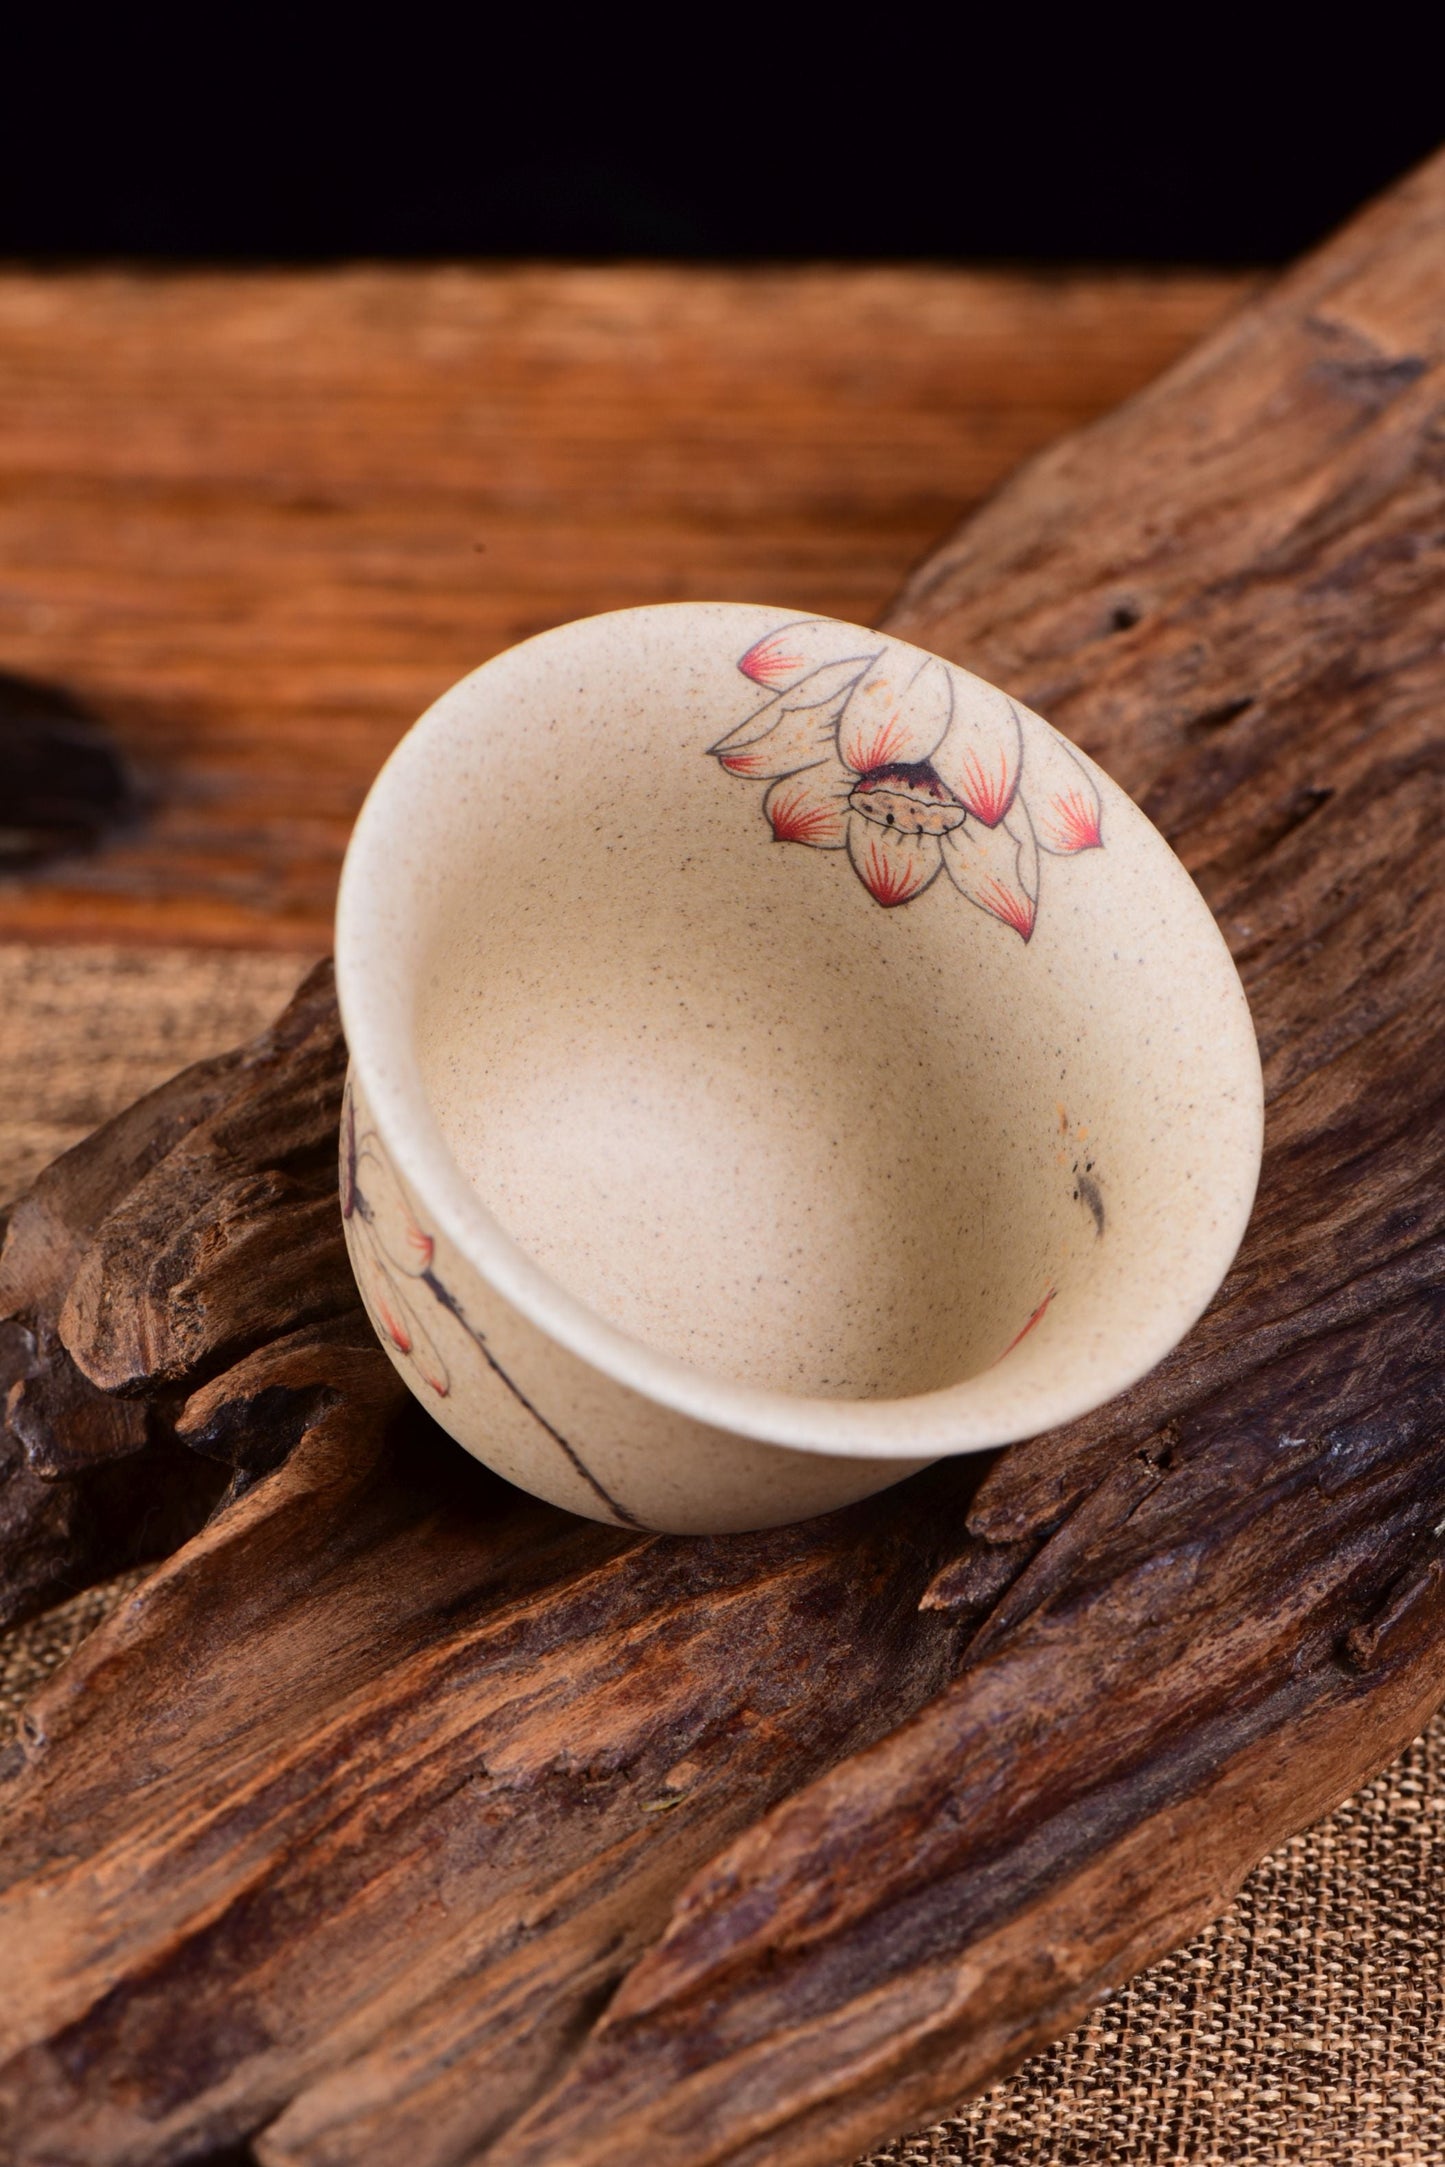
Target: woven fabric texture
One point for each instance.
(1306, 2028)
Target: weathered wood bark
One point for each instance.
(199, 1224)
(399, 1818)
(1233, 1607)
(420, 1756)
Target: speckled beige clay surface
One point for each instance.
(778, 1060)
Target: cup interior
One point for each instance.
(697, 1093)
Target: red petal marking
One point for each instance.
(421, 1245)
(1033, 1320)
(433, 1370)
(987, 796)
(745, 762)
(1006, 903)
(888, 879)
(770, 661)
(1075, 821)
(883, 747)
(396, 1330)
(796, 821)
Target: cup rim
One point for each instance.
(914, 1427)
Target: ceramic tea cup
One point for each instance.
(778, 1060)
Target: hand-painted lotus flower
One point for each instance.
(389, 1250)
(911, 766)
(393, 1257)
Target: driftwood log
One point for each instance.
(397, 1818)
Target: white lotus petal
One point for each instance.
(782, 658)
(997, 868)
(811, 807)
(793, 731)
(979, 758)
(397, 1320)
(1061, 796)
(383, 1204)
(754, 726)
(897, 714)
(893, 866)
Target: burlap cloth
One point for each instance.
(1306, 2026)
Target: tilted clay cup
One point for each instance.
(778, 1060)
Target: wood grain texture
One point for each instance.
(258, 521)
(400, 1819)
(389, 1705)
(194, 1227)
(88, 1029)
(380, 1653)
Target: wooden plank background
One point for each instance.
(259, 520)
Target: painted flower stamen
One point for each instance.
(908, 796)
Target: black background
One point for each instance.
(263, 138)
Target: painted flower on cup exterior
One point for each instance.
(391, 1254)
(391, 1251)
(911, 766)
